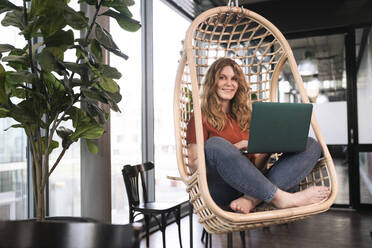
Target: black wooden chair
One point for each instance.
(159, 211)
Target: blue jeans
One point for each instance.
(230, 174)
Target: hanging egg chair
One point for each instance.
(262, 51)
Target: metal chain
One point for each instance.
(231, 3)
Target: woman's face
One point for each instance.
(227, 84)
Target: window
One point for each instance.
(126, 126)
(169, 31)
(321, 63)
(13, 145)
(64, 182)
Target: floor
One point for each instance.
(334, 228)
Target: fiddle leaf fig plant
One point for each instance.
(42, 91)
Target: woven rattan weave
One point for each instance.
(261, 50)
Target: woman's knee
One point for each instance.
(217, 148)
(216, 143)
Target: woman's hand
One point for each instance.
(242, 145)
(261, 160)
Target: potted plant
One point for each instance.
(40, 90)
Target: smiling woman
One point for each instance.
(233, 179)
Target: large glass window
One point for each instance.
(126, 126)
(321, 63)
(13, 144)
(169, 31)
(364, 92)
(64, 182)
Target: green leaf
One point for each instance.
(18, 59)
(111, 101)
(47, 60)
(75, 19)
(119, 5)
(81, 53)
(31, 29)
(90, 131)
(92, 147)
(6, 48)
(3, 95)
(4, 112)
(95, 47)
(85, 126)
(60, 38)
(115, 97)
(64, 132)
(50, 15)
(23, 112)
(14, 18)
(105, 39)
(6, 6)
(93, 94)
(53, 81)
(110, 72)
(65, 135)
(95, 111)
(108, 84)
(19, 93)
(129, 2)
(80, 69)
(124, 22)
(82, 42)
(57, 52)
(118, 53)
(21, 77)
(53, 145)
(14, 126)
(78, 116)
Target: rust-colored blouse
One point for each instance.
(231, 132)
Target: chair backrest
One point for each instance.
(130, 176)
(66, 234)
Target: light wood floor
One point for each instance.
(333, 229)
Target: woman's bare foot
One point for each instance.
(308, 196)
(244, 204)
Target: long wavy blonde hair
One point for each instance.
(211, 104)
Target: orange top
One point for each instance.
(231, 132)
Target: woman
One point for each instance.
(236, 179)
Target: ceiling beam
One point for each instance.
(293, 16)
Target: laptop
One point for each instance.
(279, 127)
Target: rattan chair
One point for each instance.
(262, 51)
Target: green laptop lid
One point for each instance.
(279, 127)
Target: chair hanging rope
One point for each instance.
(262, 51)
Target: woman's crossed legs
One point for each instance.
(233, 179)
